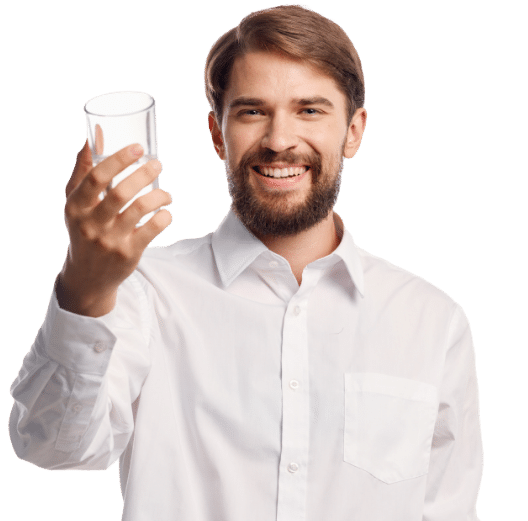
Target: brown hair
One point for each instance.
(297, 33)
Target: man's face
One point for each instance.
(283, 117)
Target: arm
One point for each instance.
(74, 393)
(455, 467)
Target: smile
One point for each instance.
(292, 171)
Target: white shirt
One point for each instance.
(231, 393)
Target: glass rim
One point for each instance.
(92, 113)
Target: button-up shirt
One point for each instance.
(229, 392)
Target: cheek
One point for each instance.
(320, 137)
(327, 141)
(329, 135)
(237, 144)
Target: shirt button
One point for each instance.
(77, 407)
(294, 384)
(273, 264)
(99, 347)
(296, 310)
(293, 467)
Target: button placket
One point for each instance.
(296, 410)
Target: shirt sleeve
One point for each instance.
(455, 467)
(75, 391)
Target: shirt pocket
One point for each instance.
(389, 425)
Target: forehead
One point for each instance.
(273, 77)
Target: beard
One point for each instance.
(271, 212)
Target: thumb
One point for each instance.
(83, 165)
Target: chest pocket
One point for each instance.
(389, 425)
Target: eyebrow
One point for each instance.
(243, 101)
(315, 100)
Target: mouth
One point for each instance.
(280, 172)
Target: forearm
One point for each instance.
(64, 393)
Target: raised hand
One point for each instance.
(105, 245)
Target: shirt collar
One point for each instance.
(235, 248)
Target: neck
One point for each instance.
(305, 247)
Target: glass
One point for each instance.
(117, 120)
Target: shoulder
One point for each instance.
(385, 282)
(178, 249)
(185, 259)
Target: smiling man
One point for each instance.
(271, 370)
(285, 129)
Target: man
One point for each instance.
(272, 369)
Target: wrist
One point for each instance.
(83, 300)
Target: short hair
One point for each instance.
(294, 32)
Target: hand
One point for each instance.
(105, 245)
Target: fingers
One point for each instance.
(154, 226)
(129, 187)
(97, 179)
(82, 166)
(142, 206)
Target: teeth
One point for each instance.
(282, 172)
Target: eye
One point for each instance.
(311, 112)
(250, 112)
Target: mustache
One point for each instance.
(269, 156)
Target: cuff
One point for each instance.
(79, 343)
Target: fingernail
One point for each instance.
(137, 150)
(157, 165)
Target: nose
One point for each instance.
(280, 133)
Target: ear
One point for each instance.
(355, 133)
(216, 134)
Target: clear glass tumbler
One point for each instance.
(117, 120)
